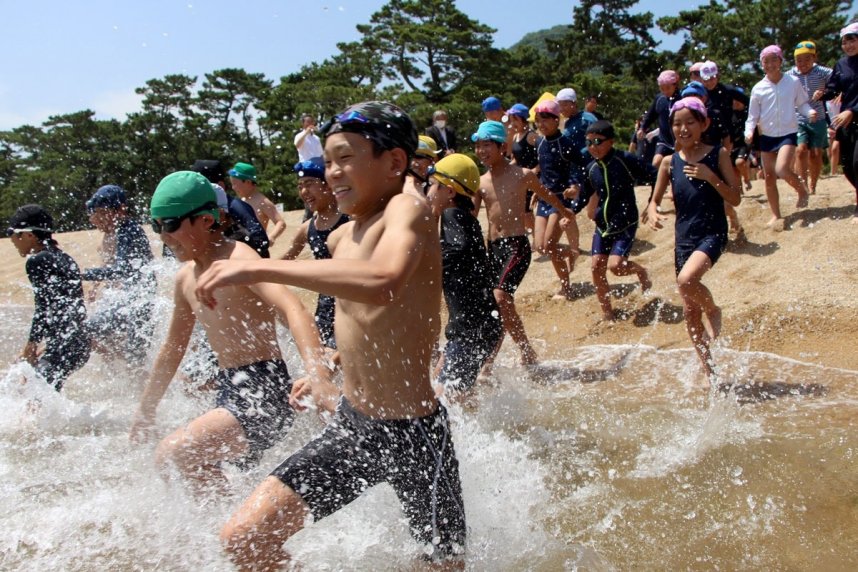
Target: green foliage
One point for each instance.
(423, 55)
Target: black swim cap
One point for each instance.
(388, 126)
(32, 218)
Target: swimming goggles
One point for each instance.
(172, 224)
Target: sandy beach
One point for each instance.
(792, 293)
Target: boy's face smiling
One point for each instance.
(804, 62)
(487, 152)
(598, 145)
(315, 193)
(360, 180)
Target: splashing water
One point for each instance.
(614, 458)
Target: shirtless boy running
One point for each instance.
(253, 407)
(504, 189)
(242, 177)
(386, 277)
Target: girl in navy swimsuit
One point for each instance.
(703, 179)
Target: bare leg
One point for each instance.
(783, 169)
(771, 181)
(743, 171)
(539, 224)
(599, 267)
(254, 536)
(802, 163)
(815, 168)
(197, 449)
(558, 260)
(513, 325)
(572, 235)
(698, 302)
(621, 266)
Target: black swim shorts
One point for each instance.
(415, 456)
(509, 258)
(257, 395)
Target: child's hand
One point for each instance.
(842, 119)
(653, 219)
(221, 273)
(142, 428)
(812, 116)
(572, 192)
(699, 171)
(817, 95)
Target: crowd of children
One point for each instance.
(394, 229)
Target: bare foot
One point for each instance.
(646, 283)
(528, 356)
(748, 185)
(802, 200)
(740, 237)
(776, 224)
(608, 316)
(714, 319)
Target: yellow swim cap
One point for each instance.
(458, 172)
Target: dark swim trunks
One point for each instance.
(415, 456)
(617, 244)
(509, 258)
(712, 246)
(257, 395)
(57, 363)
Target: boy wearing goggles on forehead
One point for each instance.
(253, 408)
(385, 273)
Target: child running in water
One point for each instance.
(612, 176)
(253, 408)
(703, 179)
(60, 314)
(503, 188)
(389, 427)
(319, 198)
(474, 328)
(773, 103)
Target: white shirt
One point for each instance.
(773, 107)
(312, 146)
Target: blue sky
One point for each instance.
(66, 56)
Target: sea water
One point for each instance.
(614, 458)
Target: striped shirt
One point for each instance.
(811, 81)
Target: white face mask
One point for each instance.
(440, 124)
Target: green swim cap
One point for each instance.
(182, 192)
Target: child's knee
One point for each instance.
(617, 266)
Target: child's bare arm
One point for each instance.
(532, 182)
(298, 242)
(167, 362)
(269, 210)
(651, 216)
(378, 280)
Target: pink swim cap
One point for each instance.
(668, 77)
(772, 50)
(689, 103)
(850, 30)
